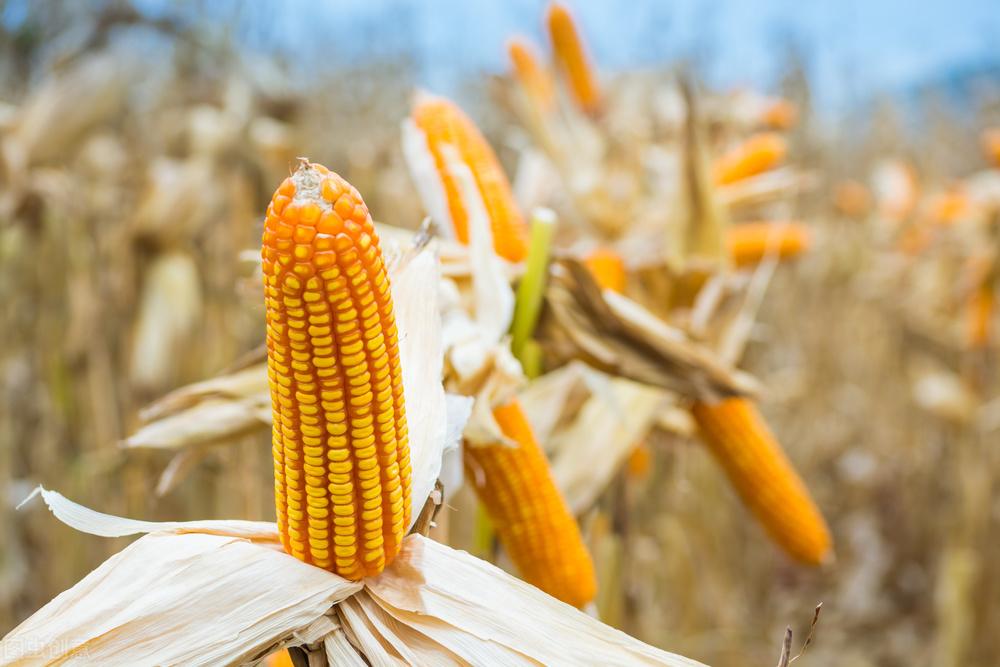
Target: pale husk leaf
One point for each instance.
(620, 337)
(414, 291)
(486, 616)
(618, 414)
(170, 599)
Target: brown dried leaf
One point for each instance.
(620, 337)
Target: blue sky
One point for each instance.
(852, 48)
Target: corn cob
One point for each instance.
(607, 268)
(852, 198)
(753, 460)
(280, 659)
(571, 57)
(529, 513)
(780, 115)
(754, 156)
(444, 124)
(948, 207)
(750, 242)
(980, 307)
(991, 145)
(981, 302)
(530, 74)
(341, 456)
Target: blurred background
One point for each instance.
(140, 142)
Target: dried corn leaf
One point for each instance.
(618, 414)
(202, 593)
(169, 310)
(472, 607)
(59, 113)
(620, 337)
(209, 422)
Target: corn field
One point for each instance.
(698, 365)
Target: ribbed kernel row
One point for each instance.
(757, 467)
(444, 124)
(529, 513)
(341, 458)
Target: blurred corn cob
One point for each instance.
(780, 114)
(170, 308)
(949, 206)
(571, 58)
(756, 466)
(756, 155)
(607, 268)
(341, 458)
(981, 302)
(444, 125)
(749, 243)
(530, 74)
(991, 145)
(528, 511)
(852, 198)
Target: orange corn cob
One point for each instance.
(982, 304)
(341, 457)
(914, 239)
(781, 115)
(948, 207)
(530, 74)
(529, 513)
(443, 124)
(607, 268)
(991, 144)
(280, 659)
(852, 198)
(571, 57)
(750, 242)
(754, 156)
(753, 460)
(640, 461)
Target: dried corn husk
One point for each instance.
(620, 337)
(170, 307)
(223, 592)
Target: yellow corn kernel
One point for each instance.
(529, 513)
(750, 242)
(754, 156)
(342, 486)
(757, 467)
(444, 124)
(571, 57)
(533, 78)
